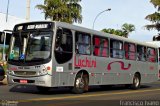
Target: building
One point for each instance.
(12, 20)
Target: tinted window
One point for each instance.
(151, 55)
(100, 46)
(130, 51)
(83, 43)
(141, 53)
(63, 45)
(116, 49)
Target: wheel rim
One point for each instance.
(136, 82)
(79, 83)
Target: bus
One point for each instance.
(5, 36)
(50, 54)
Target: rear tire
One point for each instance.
(136, 82)
(80, 84)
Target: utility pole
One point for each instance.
(28, 10)
(7, 11)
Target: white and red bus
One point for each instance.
(56, 54)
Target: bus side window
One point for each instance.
(96, 46)
(83, 43)
(105, 47)
(141, 53)
(116, 49)
(151, 55)
(126, 48)
(130, 51)
(100, 46)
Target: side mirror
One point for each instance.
(2, 36)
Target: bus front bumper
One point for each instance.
(45, 80)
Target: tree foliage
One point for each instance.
(154, 17)
(62, 10)
(124, 31)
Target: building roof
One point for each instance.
(12, 20)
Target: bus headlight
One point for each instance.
(42, 72)
(10, 72)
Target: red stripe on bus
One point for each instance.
(121, 64)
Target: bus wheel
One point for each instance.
(43, 89)
(80, 84)
(136, 82)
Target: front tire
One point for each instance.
(80, 84)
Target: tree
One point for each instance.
(62, 10)
(154, 17)
(128, 28)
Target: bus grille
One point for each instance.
(25, 73)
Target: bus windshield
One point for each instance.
(30, 46)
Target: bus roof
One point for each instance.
(94, 32)
(157, 43)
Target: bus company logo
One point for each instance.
(122, 65)
(86, 62)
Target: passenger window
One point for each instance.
(130, 51)
(100, 46)
(151, 55)
(96, 46)
(116, 49)
(141, 53)
(83, 43)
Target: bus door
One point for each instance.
(4, 44)
(63, 56)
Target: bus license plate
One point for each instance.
(23, 81)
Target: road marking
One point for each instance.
(87, 95)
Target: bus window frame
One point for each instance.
(100, 46)
(129, 51)
(77, 43)
(149, 54)
(141, 54)
(119, 53)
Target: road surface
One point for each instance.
(147, 95)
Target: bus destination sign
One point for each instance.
(33, 26)
(37, 26)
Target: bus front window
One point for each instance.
(31, 47)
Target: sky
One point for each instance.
(122, 11)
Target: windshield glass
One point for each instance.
(30, 47)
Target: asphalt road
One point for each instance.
(147, 95)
